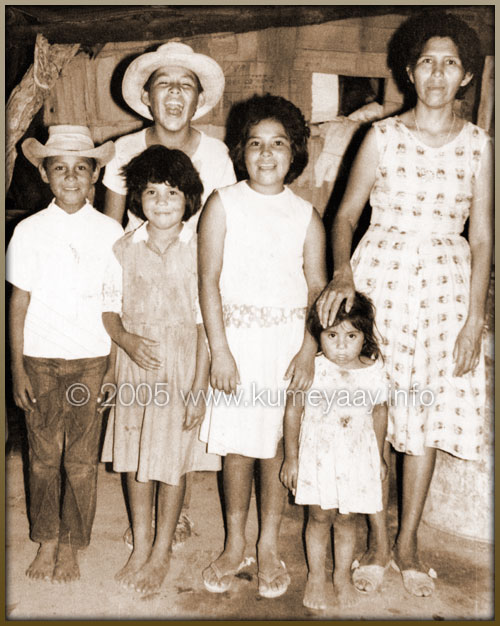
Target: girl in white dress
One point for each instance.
(261, 263)
(335, 466)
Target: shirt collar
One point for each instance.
(55, 208)
(141, 233)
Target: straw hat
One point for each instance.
(65, 140)
(208, 71)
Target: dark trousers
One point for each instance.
(64, 427)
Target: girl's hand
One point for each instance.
(224, 373)
(24, 396)
(467, 347)
(108, 386)
(301, 371)
(288, 474)
(142, 351)
(340, 288)
(195, 409)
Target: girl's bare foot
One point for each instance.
(315, 595)
(127, 576)
(150, 577)
(66, 568)
(42, 566)
(345, 593)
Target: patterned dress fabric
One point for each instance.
(145, 429)
(264, 299)
(415, 265)
(339, 460)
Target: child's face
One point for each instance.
(70, 179)
(342, 344)
(173, 97)
(163, 205)
(268, 155)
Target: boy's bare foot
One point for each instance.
(150, 577)
(42, 566)
(66, 568)
(127, 576)
(345, 593)
(315, 595)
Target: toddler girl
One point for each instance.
(335, 465)
(261, 262)
(161, 357)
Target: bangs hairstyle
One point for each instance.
(361, 316)
(259, 108)
(409, 40)
(158, 164)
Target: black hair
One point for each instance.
(158, 164)
(361, 316)
(147, 84)
(409, 40)
(93, 162)
(259, 108)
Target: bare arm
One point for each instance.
(211, 234)
(359, 186)
(468, 343)
(293, 413)
(140, 349)
(196, 407)
(114, 205)
(301, 368)
(24, 396)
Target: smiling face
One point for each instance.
(70, 179)
(342, 344)
(438, 72)
(268, 155)
(163, 206)
(173, 95)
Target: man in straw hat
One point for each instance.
(57, 261)
(172, 86)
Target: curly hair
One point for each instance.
(158, 164)
(409, 40)
(361, 316)
(259, 108)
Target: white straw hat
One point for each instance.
(208, 71)
(67, 140)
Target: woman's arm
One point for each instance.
(301, 368)
(24, 396)
(359, 186)
(211, 234)
(293, 413)
(114, 205)
(468, 344)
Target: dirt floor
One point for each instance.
(464, 587)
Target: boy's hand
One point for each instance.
(224, 374)
(288, 474)
(142, 351)
(108, 389)
(383, 470)
(195, 409)
(300, 371)
(24, 397)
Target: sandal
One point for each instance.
(220, 586)
(417, 582)
(265, 581)
(372, 574)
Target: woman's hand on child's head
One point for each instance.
(300, 371)
(340, 288)
(467, 350)
(24, 396)
(196, 407)
(142, 351)
(224, 373)
(288, 474)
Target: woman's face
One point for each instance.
(438, 72)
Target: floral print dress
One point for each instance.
(415, 266)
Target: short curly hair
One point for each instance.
(158, 164)
(409, 40)
(259, 108)
(361, 316)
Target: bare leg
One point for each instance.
(237, 479)
(272, 502)
(141, 504)
(417, 475)
(152, 574)
(344, 540)
(317, 538)
(42, 566)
